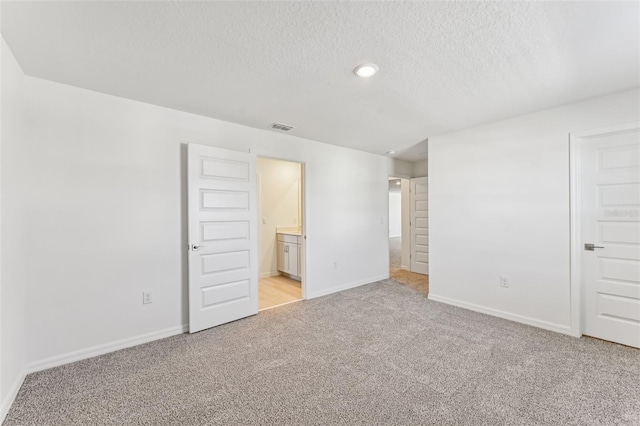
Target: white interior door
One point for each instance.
(609, 203)
(419, 226)
(223, 267)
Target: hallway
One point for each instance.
(416, 281)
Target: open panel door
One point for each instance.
(609, 178)
(419, 226)
(223, 247)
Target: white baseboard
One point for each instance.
(558, 328)
(93, 351)
(346, 286)
(11, 395)
(269, 274)
(395, 236)
(405, 267)
(80, 355)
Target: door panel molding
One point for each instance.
(223, 247)
(419, 260)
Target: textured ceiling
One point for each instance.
(443, 65)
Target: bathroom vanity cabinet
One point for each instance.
(289, 254)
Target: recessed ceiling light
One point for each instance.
(391, 152)
(365, 70)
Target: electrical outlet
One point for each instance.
(146, 297)
(504, 282)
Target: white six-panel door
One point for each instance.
(223, 267)
(609, 182)
(419, 226)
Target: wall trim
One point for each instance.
(269, 274)
(348, 286)
(11, 395)
(106, 348)
(558, 328)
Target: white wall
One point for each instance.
(279, 198)
(499, 205)
(13, 259)
(400, 168)
(395, 214)
(420, 168)
(100, 188)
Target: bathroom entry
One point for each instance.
(280, 237)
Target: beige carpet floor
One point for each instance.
(379, 354)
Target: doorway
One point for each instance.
(237, 229)
(398, 257)
(280, 236)
(401, 238)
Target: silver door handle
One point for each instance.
(591, 247)
(196, 247)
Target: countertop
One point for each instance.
(289, 231)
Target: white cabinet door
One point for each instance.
(284, 257)
(289, 254)
(223, 248)
(281, 257)
(293, 259)
(287, 258)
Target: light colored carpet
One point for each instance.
(418, 282)
(376, 354)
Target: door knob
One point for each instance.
(591, 247)
(196, 247)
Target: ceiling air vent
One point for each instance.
(281, 127)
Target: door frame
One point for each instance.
(303, 213)
(402, 200)
(575, 188)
